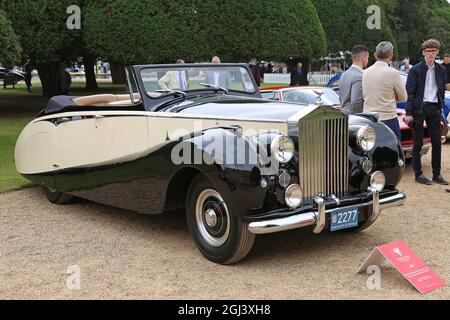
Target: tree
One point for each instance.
(9, 43)
(41, 27)
(45, 38)
(134, 31)
(289, 30)
(345, 24)
(418, 21)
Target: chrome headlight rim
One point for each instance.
(378, 184)
(293, 202)
(275, 148)
(361, 138)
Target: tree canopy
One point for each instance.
(345, 24)
(10, 49)
(156, 32)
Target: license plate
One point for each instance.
(344, 219)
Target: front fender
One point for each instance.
(387, 156)
(231, 163)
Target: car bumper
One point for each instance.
(407, 151)
(318, 217)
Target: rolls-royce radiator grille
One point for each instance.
(323, 155)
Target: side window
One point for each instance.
(268, 95)
(295, 97)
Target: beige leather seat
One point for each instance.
(105, 100)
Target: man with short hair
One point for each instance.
(174, 80)
(383, 87)
(298, 76)
(350, 85)
(426, 92)
(254, 69)
(218, 77)
(447, 67)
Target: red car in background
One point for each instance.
(328, 96)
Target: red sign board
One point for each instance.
(417, 272)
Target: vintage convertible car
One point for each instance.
(11, 77)
(330, 97)
(199, 137)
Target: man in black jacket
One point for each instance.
(426, 91)
(298, 76)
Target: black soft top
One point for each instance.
(58, 103)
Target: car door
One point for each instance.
(75, 140)
(121, 147)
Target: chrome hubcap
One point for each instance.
(212, 217)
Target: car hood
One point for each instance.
(262, 110)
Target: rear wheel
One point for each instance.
(57, 197)
(221, 237)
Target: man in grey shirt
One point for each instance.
(350, 86)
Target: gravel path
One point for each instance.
(123, 255)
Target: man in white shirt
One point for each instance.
(383, 88)
(426, 94)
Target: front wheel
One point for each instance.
(221, 237)
(57, 197)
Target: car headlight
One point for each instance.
(282, 148)
(366, 138)
(378, 180)
(293, 196)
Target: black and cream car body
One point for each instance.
(239, 165)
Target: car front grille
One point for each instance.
(323, 153)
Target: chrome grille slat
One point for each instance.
(323, 154)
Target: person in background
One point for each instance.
(447, 67)
(383, 87)
(298, 76)
(217, 77)
(426, 92)
(350, 85)
(27, 68)
(64, 79)
(174, 80)
(254, 69)
(405, 67)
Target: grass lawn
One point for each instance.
(17, 101)
(10, 129)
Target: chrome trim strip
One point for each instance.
(309, 218)
(151, 114)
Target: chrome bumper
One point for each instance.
(318, 218)
(407, 151)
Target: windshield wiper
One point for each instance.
(215, 87)
(179, 96)
(174, 92)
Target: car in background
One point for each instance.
(328, 96)
(11, 77)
